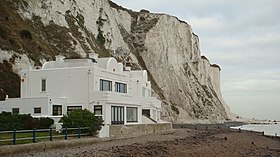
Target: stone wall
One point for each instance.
(117, 131)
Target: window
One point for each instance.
(98, 110)
(37, 110)
(105, 85)
(43, 83)
(121, 87)
(71, 108)
(57, 110)
(131, 114)
(15, 111)
(117, 115)
(146, 112)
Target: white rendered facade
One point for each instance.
(118, 95)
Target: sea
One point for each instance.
(268, 129)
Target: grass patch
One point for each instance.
(27, 137)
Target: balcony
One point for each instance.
(124, 98)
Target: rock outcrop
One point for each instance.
(185, 81)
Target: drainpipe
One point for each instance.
(89, 72)
(29, 82)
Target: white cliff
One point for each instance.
(187, 84)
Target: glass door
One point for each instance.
(117, 115)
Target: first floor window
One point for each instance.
(71, 108)
(57, 110)
(37, 110)
(131, 114)
(105, 85)
(43, 85)
(121, 87)
(98, 110)
(15, 111)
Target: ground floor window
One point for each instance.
(57, 110)
(131, 114)
(71, 108)
(15, 111)
(146, 112)
(37, 110)
(117, 115)
(98, 110)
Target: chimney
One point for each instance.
(93, 55)
(59, 58)
(127, 68)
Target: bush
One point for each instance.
(100, 37)
(25, 34)
(45, 122)
(82, 118)
(7, 121)
(10, 122)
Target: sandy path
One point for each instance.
(181, 142)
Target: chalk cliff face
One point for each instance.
(187, 84)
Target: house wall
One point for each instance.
(71, 83)
(26, 105)
(77, 83)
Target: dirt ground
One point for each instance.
(180, 142)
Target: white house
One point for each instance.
(101, 85)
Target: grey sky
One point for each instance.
(243, 37)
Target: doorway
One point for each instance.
(117, 115)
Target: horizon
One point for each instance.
(243, 39)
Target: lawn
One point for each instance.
(22, 137)
(27, 137)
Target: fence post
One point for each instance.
(79, 133)
(34, 135)
(14, 136)
(66, 133)
(50, 134)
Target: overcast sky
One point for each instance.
(243, 37)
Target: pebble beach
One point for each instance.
(218, 142)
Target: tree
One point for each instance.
(82, 118)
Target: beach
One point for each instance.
(178, 142)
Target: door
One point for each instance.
(117, 115)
